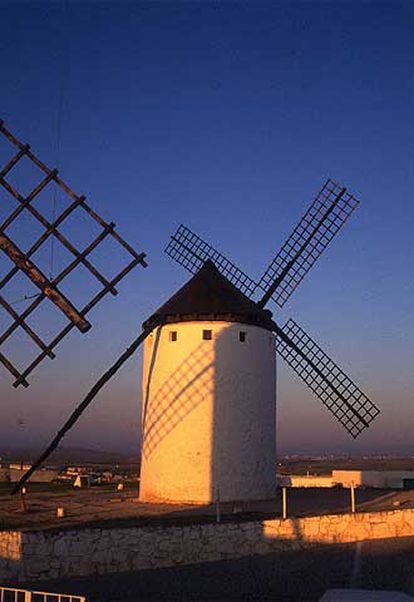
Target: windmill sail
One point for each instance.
(324, 218)
(190, 251)
(338, 393)
(53, 233)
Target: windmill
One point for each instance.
(208, 415)
(214, 400)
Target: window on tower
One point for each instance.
(242, 336)
(173, 336)
(207, 335)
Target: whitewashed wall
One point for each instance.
(208, 414)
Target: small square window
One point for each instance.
(242, 336)
(207, 335)
(173, 336)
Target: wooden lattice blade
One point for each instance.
(43, 283)
(325, 217)
(354, 410)
(82, 272)
(191, 251)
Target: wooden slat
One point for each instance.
(43, 283)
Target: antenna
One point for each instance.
(23, 262)
(324, 218)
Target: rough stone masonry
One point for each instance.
(53, 553)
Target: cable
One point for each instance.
(58, 136)
(25, 298)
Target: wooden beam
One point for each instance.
(43, 283)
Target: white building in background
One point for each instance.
(14, 473)
(82, 481)
(306, 481)
(208, 409)
(380, 479)
(19, 466)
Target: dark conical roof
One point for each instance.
(210, 296)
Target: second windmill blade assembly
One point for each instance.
(325, 217)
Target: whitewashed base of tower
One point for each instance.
(208, 413)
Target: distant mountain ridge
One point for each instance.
(66, 455)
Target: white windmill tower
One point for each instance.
(208, 396)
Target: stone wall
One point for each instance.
(48, 554)
(10, 547)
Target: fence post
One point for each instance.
(352, 498)
(284, 503)
(218, 506)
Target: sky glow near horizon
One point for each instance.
(227, 117)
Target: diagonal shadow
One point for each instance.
(148, 387)
(180, 393)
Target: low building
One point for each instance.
(4, 475)
(20, 466)
(379, 479)
(40, 476)
(306, 481)
(82, 481)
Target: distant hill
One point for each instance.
(68, 455)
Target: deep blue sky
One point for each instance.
(227, 117)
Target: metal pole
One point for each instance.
(352, 498)
(218, 516)
(284, 503)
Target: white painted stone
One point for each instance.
(208, 414)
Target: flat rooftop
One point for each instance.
(105, 506)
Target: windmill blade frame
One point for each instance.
(49, 289)
(191, 252)
(350, 406)
(327, 214)
(56, 230)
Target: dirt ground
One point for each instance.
(97, 506)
